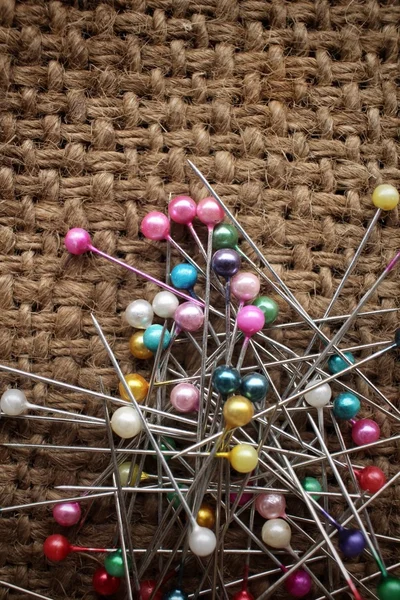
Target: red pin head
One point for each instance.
(371, 479)
(146, 588)
(56, 547)
(105, 584)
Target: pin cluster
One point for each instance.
(237, 421)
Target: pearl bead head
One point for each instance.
(385, 196)
(165, 304)
(276, 533)
(13, 402)
(139, 314)
(126, 422)
(320, 396)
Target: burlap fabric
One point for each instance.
(290, 108)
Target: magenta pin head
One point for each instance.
(210, 212)
(298, 584)
(244, 498)
(78, 241)
(189, 316)
(245, 286)
(67, 514)
(182, 209)
(185, 397)
(250, 320)
(365, 431)
(155, 226)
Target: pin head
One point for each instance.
(189, 317)
(202, 541)
(271, 506)
(310, 484)
(167, 444)
(13, 402)
(276, 533)
(138, 386)
(243, 458)
(243, 595)
(320, 396)
(346, 405)
(126, 422)
(226, 263)
(173, 497)
(365, 431)
(165, 304)
(152, 338)
(139, 314)
(184, 276)
(371, 479)
(389, 588)
(237, 411)
(351, 542)
(77, 241)
(250, 320)
(269, 308)
(224, 236)
(124, 469)
(146, 589)
(56, 547)
(206, 516)
(114, 563)
(385, 196)
(137, 347)
(155, 226)
(245, 286)
(226, 380)
(298, 584)
(336, 363)
(175, 594)
(209, 212)
(185, 397)
(254, 387)
(67, 514)
(105, 584)
(182, 209)
(244, 498)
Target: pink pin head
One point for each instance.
(271, 506)
(210, 212)
(182, 209)
(189, 316)
(298, 584)
(67, 514)
(78, 241)
(245, 286)
(365, 431)
(250, 320)
(185, 397)
(155, 226)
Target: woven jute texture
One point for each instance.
(290, 108)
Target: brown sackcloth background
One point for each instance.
(290, 108)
